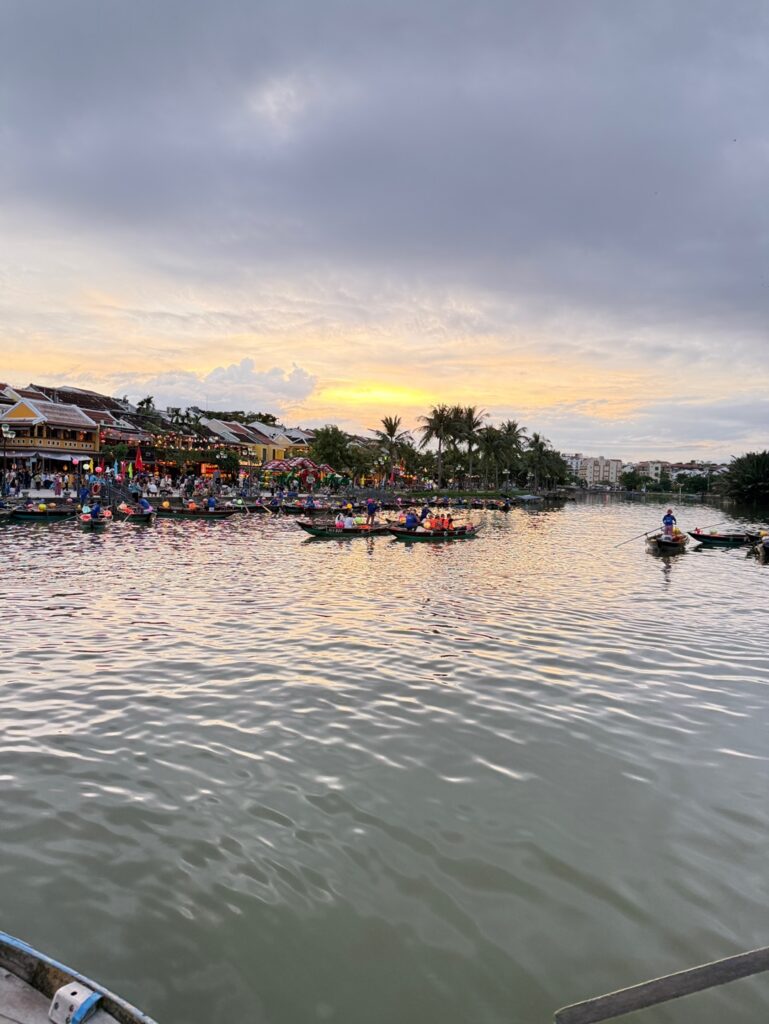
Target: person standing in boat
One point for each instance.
(425, 513)
(96, 512)
(668, 522)
(211, 503)
(371, 510)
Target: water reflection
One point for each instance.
(289, 779)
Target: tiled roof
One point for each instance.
(55, 413)
(78, 396)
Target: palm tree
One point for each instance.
(469, 421)
(536, 457)
(391, 439)
(490, 449)
(513, 440)
(437, 427)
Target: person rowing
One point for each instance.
(412, 521)
(668, 522)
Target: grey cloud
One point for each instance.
(237, 386)
(594, 156)
(674, 429)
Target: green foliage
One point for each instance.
(331, 445)
(392, 441)
(747, 478)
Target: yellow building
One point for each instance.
(52, 432)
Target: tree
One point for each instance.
(468, 421)
(490, 450)
(436, 426)
(631, 480)
(391, 439)
(331, 445)
(513, 442)
(146, 404)
(747, 477)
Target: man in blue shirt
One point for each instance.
(211, 504)
(668, 522)
(144, 505)
(371, 509)
(411, 520)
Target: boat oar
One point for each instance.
(636, 538)
(662, 990)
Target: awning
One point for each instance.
(56, 456)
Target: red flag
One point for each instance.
(138, 461)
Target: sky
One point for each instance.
(557, 211)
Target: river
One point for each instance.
(248, 776)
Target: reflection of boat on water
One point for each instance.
(34, 989)
(667, 544)
(723, 540)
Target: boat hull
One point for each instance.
(35, 978)
(663, 545)
(459, 533)
(331, 532)
(201, 513)
(722, 540)
(49, 516)
(138, 518)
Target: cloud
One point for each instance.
(432, 197)
(238, 386)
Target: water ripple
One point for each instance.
(293, 780)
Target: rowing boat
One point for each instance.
(136, 517)
(196, 513)
(458, 533)
(723, 540)
(88, 522)
(252, 507)
(36, 515)
(664, 544)
(330, 530)
(35, 989)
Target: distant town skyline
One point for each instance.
(555, 212)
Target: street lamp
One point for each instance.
(8, 435)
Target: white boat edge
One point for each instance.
(47, 975)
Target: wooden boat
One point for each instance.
(136, 517)
(195, 513)
(664, 544)
(723, 540)
(458, 533)
(330, 530)
(293, 509)
(88, 522)
(249, 507)
(48, 515)
(35, 989)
